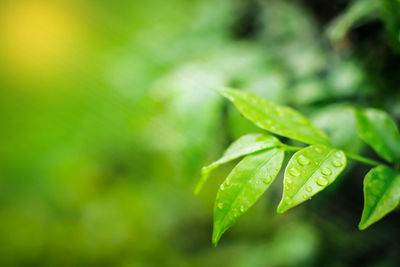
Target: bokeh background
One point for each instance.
(107, 114)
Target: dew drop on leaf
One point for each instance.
(222, 187)
(302, 160)
(326, 171)
(305, 196)
(337, 163)
(318, 150)
(309, 189)
(322, 181)
(294, 172)
(242, 208)
(227, 182)
(267, 180)
(288, 200)
(220, 206)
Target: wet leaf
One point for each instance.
(243, 187)
(274, 118)
(379, 131)
(245, 145)
(308, 172)
(381, 194)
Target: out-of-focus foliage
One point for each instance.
(107, 115)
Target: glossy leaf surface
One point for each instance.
(243, 187)
(308, 172)
(379, 131)
(274, 118)
(245, 145)
(381, 194)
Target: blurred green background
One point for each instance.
(107, 114)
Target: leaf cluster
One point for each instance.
(311, 168)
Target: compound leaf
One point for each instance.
(245, 145)
(381, 194)
(243, 187)
(379, 131)
(308, 172)
(274, 118)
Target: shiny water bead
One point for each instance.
(289, 181)
(267, 180)
(288, 200)
(339, 154)
(305, 196)
(326, 171)
(220, 205)
(222, 187)
(242, 208)
(318, 150)
(309, 189)
(302, 160)
(294, 172)
(228, 182)
(322, 181)
(337, 163)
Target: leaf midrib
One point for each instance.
(242, 188)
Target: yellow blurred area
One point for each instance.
(39, 38)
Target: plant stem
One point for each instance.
(291, 148)
(350, 156)
(363, 159)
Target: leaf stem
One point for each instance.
(291, 148)
(363, 159)
(354, 157)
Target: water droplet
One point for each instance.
(228, 182)
(326, 171)
(287, 187)
(337, 163)
(305, 196)
(302, 160)
(309, 189)
(257, 182)
(288, 200)
(220, 206)
(318, 150)
(294, 172)
(322, 181)
(272, 128)
(267, 180)
(222, 187)
(339, 154)
(242, 208)
(289, 181)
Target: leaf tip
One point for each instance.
(281, 208)
(215, 238)
(362, 226)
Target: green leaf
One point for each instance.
(379, 131)
(381, 194)
(308, 172)
(245, 145)
(243, 187)
(274, 118)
